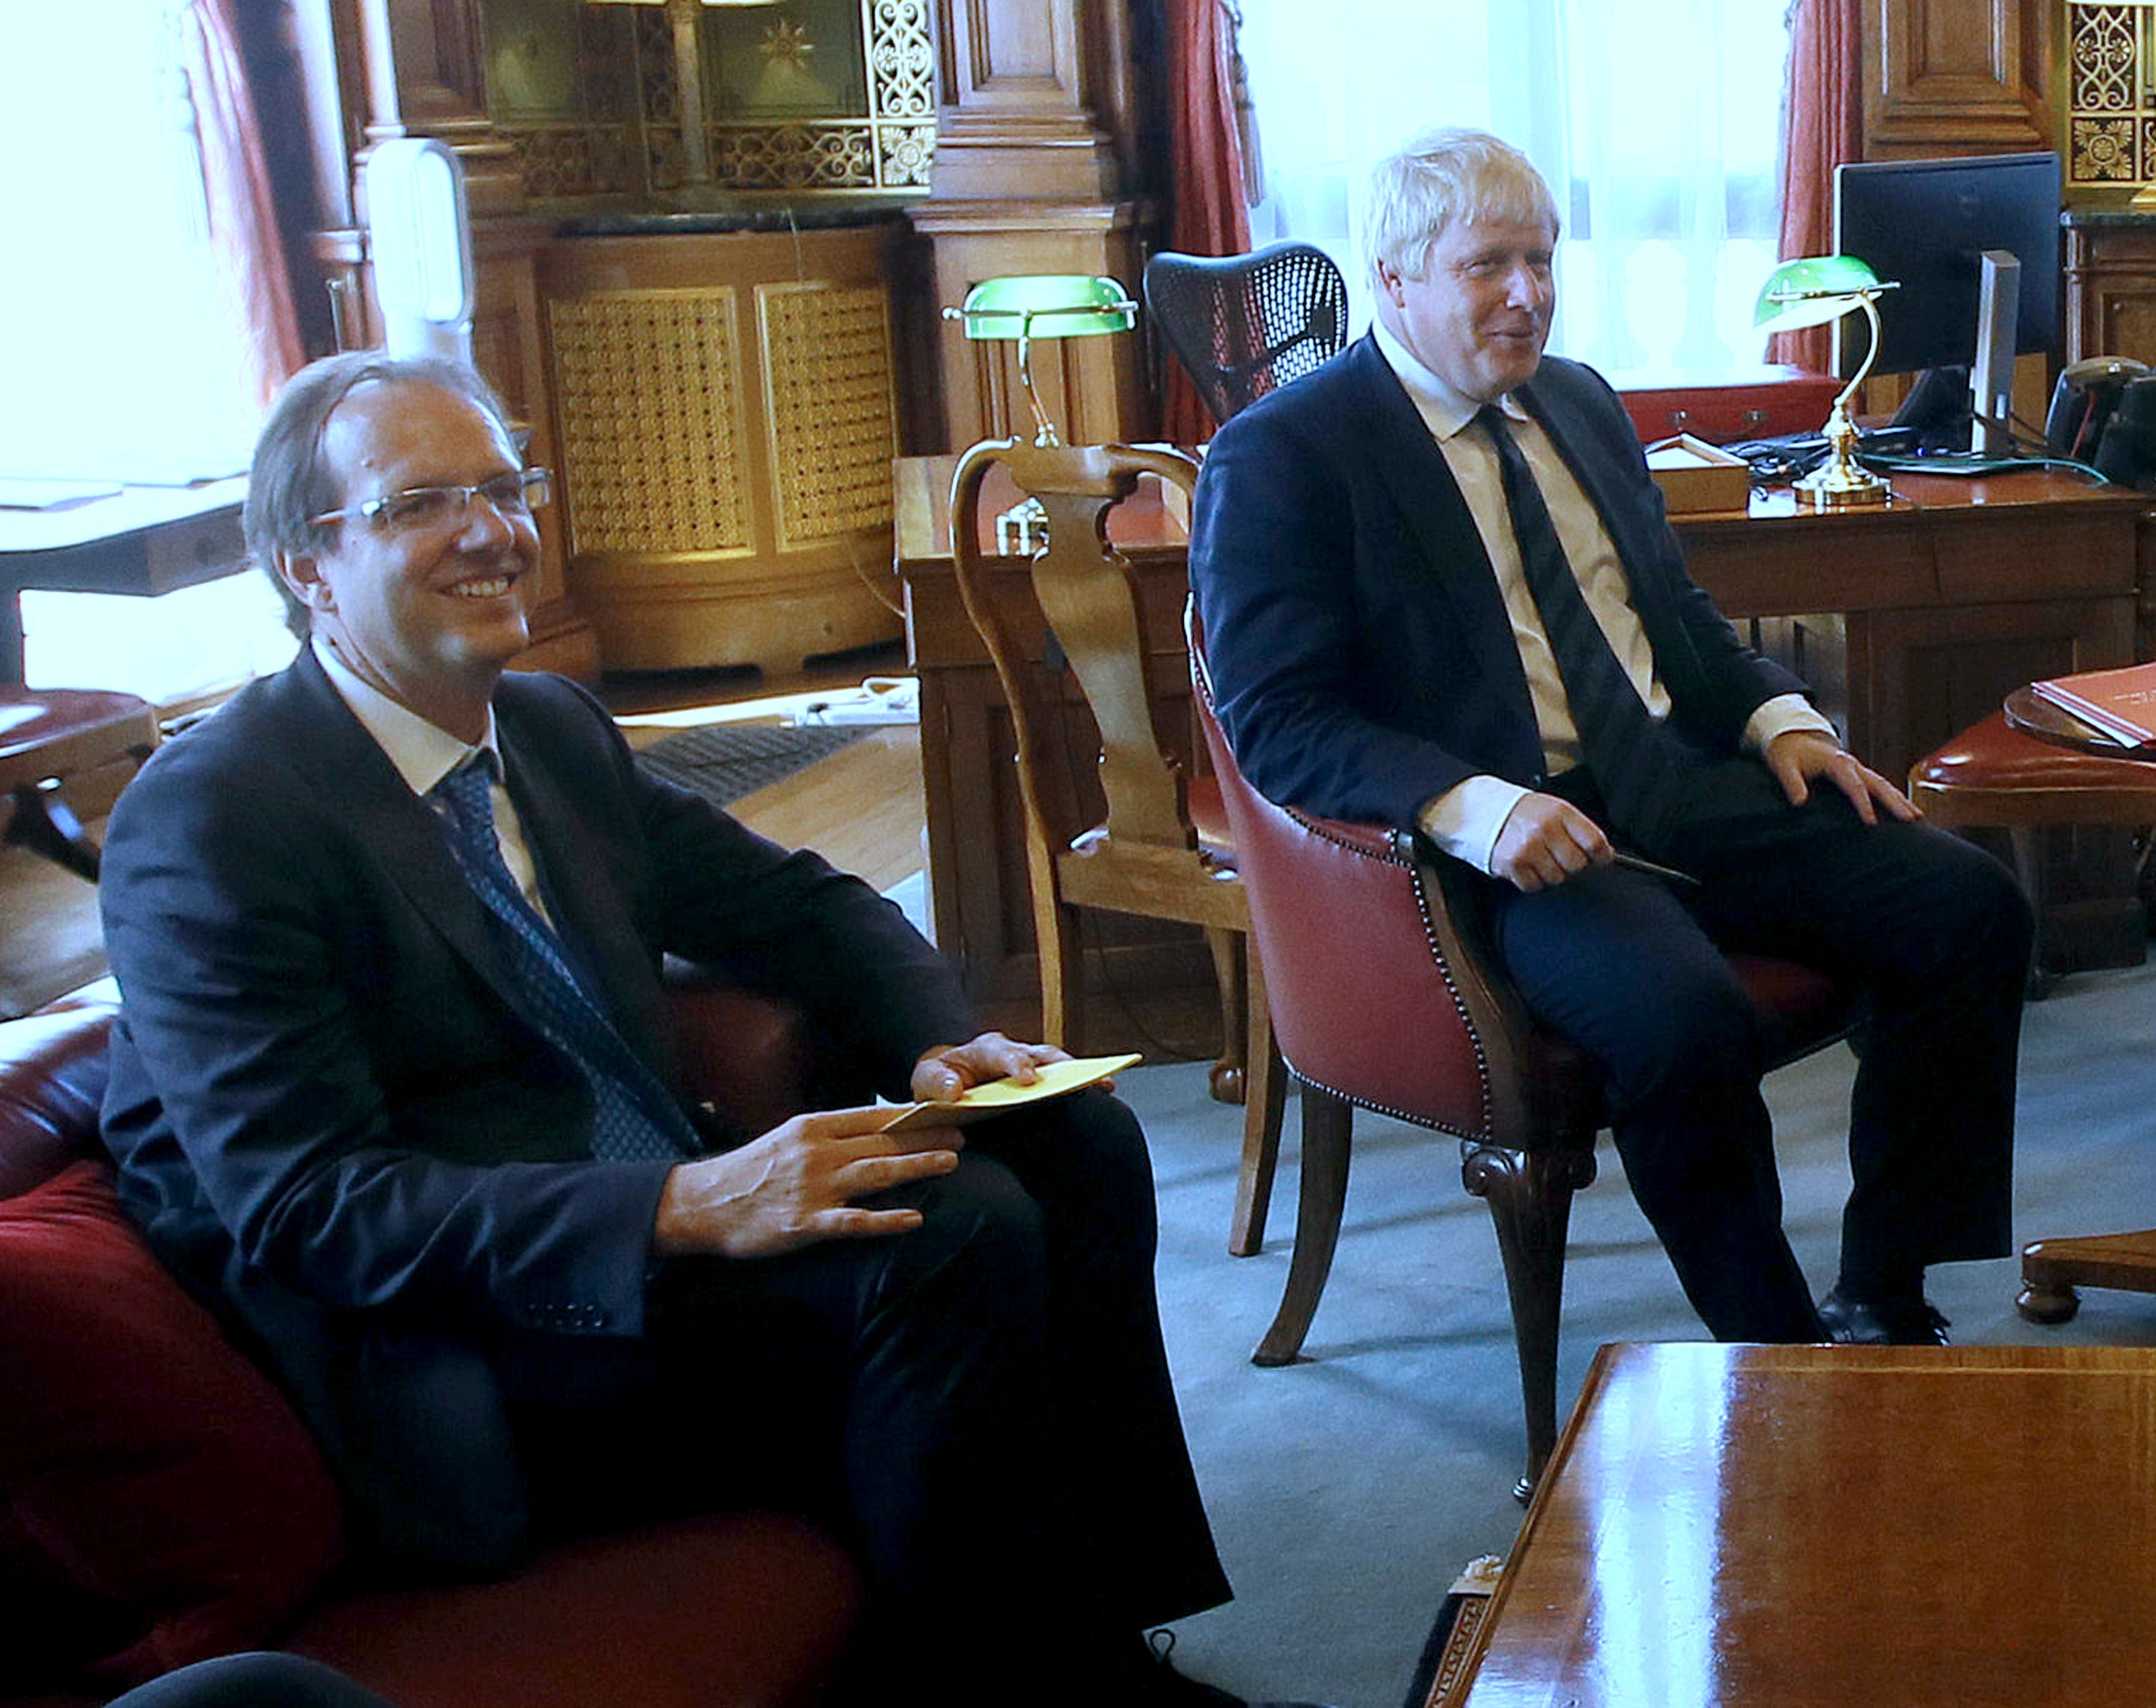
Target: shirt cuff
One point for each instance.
(1779, 716)
(1465, 820)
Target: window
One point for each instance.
(127, 353)
(124, 355)
(1657, 124)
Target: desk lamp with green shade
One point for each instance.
(1023, 307)
(1811, 292)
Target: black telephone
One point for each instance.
(2090, 422)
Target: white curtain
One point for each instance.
(1656, 123)
(127, 360)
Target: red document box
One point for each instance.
(1753, 402)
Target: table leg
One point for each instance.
(2052, 1268)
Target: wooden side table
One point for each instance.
(2052, 1269)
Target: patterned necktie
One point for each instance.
(1626, 751)
(634, 1119)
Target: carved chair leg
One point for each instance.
(1529, 1193)
(1229, 1074)
(1265, 1104)
(1327, 1123)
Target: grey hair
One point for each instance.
(1443, 174)
(290, 478)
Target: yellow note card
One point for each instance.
(1000, 1096)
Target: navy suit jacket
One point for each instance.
(1362, 657)
(329, 1112)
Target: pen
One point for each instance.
(1649, 866)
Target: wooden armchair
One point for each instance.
(1162, 850)
(1385, 997)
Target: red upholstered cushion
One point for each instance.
(159, 1500)
(735, 1610)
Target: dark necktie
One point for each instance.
(634, 1119)
(1625, 751)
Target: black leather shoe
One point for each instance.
(1909, 1320)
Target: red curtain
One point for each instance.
(1205, 154)
(1823, 128)
(243, 221)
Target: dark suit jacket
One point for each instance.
(328, 1111)
(1361, 653)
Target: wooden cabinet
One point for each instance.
(2111, 285)
(724, 404)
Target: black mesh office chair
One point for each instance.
(1245, 325)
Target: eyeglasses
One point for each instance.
(422, 509)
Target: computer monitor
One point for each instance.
(1927, 225)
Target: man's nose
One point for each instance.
(486, 524)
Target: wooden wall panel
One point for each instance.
(1956, 77)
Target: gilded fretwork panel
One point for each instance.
(2111, 104)
(648, 387)
(607, 102)
(828, 368)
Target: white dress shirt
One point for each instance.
(1466, 819)
(424, 753)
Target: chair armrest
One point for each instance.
(52, 1087)
(744, 1056)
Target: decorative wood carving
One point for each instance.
(724, 401)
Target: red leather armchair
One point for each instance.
(159, 1501)
(1383, 998)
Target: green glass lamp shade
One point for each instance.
(1811, 291)
(1047, 305)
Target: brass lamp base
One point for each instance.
(1841, 482)
(1836, 484)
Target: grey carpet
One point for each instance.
(722, 762)
(1348, 1490)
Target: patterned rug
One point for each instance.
(1437, 1676)
(722, 762)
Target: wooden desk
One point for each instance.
(143, 540)
(1911, 622)
(1790, 1526)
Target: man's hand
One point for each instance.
(1544, 840)
(1799, 757)
(797, 1184)
(946, 1072)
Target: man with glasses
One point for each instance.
(393, 1082)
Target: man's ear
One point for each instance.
(302, 577)
(1388, 282)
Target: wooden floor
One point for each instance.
(861, 808)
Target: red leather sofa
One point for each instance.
(160, 1502)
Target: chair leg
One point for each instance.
(1327, 1121)
(44, 824)
(1062, 976)
(1530, 1197)
(1265, 1104)
(1229, 1075)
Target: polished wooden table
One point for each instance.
(2052, 1269)
(1911, 621)
(1837, 1527)
(141, 540)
